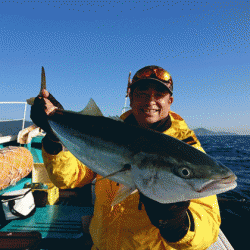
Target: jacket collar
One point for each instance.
(159, 126)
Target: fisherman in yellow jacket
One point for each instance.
(138, 222)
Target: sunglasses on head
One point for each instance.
(151, 72)
(154, 73)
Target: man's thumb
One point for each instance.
(52, 99)
(45, 93)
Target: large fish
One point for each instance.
(161, 167)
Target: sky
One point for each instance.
(88, 48)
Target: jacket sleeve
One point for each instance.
(66, 171)
(205, 215)
(206, 218)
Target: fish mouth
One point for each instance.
(226, 182)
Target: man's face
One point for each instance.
(150, 103)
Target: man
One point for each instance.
(138, 222)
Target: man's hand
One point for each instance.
(171, 219)
(44, 106)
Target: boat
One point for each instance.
(65, 222)
(51, 222)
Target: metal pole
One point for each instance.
(125, 105)
(12, 102)
(24, 115)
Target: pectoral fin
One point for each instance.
(122, 193)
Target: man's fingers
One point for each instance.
(49, 107)
(44, 105)
(39, 102)
(45, 93)
(51, 98)
(55, 102)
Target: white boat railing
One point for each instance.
(8, 138)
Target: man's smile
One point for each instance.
(150, 111)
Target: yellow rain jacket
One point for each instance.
(124, 226)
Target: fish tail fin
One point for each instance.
(31, 100)
(43, 81)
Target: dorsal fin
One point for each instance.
(91, 109)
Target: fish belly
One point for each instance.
(103, 158)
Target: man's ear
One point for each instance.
(171, 100)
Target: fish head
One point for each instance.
(170, 180)
(207, 180)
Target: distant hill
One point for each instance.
(203, 131)
(12, 127)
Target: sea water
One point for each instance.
(234, 152)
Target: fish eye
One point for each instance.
(183, 172)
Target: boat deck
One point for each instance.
(59, 224)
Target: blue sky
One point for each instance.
(88, 48)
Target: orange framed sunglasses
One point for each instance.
(152, 72)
